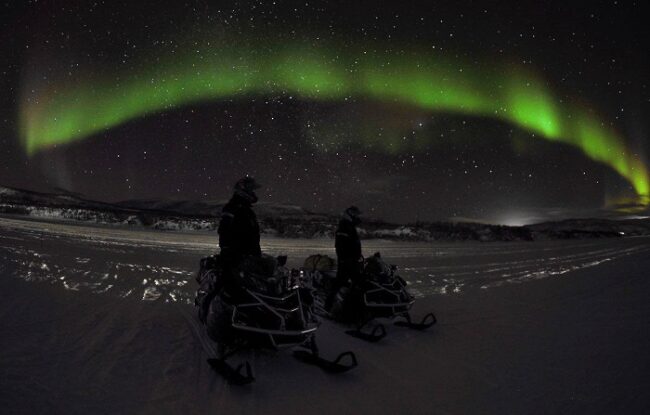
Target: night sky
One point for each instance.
(506, 112)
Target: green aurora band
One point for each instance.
(71, 111)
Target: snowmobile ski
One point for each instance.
(233, 375)
(377, 333)
(426, 322)
(329, 366)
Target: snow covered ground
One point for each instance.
(98, 320)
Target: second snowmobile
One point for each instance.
(378, 293)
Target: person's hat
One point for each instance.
(247, 184)
(353, 211)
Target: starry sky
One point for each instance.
(505, 112)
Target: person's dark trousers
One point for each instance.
(233, 292)
(345, 271)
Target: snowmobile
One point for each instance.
(261, 306)
(379, 293)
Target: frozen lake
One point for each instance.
(534, 328)
(159, 266)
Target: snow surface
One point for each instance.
(542, 327)
(7, 192)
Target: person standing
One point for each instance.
(239, 232)
(239, 235)
(348, 252)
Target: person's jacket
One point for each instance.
(347, 242)
(239, 232)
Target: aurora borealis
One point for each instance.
(60, 115)
(462, 109)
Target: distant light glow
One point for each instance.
(518, 220)
(515, 222)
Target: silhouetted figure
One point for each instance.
(348, 252)
(239, 232)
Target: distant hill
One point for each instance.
(213, 208)
(62, 198)
(289, 220)
(578, 228)
(284, 220)
(69, 206)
